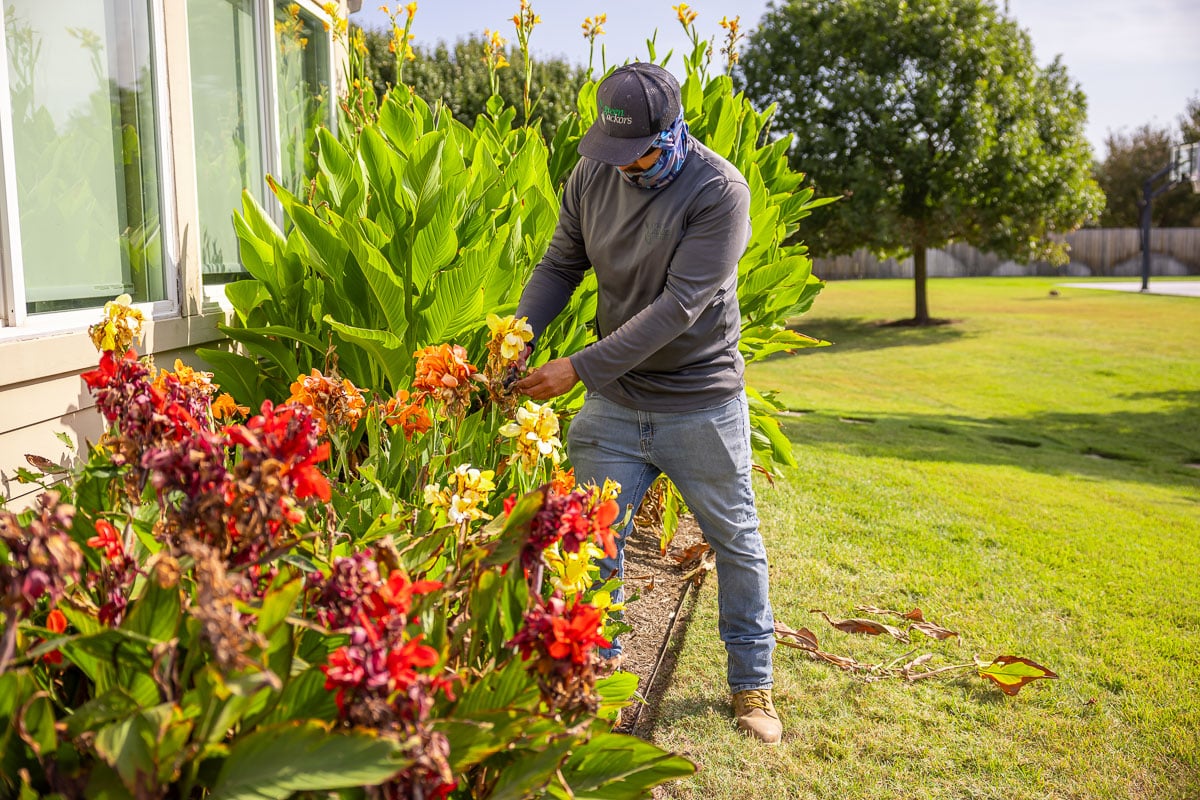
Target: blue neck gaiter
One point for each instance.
(674, 143)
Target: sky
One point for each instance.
(1138, 61)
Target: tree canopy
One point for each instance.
(1134, 157)
(457, 75)
(932, 119)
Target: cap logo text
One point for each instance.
(615, 116)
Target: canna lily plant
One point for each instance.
(192, 607)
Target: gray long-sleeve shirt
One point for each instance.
(666, 265)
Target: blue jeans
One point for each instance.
(707, 455)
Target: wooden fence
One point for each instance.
(1113, 252)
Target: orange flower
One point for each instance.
(409, 412)
(335, 403)
(445, 373)
(563, 481)
(225, 407)
(186, 376)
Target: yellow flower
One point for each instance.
(592, 26)
(685, 14)
(293, 9)
(573, 573)
(534, 434)
(465, 495)
(611, 490)
(604, 602)
(509, 336)
(121, 325)
(411, 8)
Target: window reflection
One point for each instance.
(227, 112)
(82, 88)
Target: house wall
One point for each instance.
(41, 393)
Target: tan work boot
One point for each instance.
(756, 715)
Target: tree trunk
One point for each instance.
(921, 313)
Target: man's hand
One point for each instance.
(550, 380)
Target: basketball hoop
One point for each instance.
(1185, 165)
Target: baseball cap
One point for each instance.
(634, 104)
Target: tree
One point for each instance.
(932, 120)
(1134, 157)
(458, 76)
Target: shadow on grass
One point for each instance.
(1159, 447)
(858, 334)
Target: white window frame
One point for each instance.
(15, 321)
(267, 67)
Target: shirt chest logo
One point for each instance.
(655, 232)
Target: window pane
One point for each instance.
(302, 47)
(82, 87)
(227, 112)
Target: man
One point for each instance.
(663, 220)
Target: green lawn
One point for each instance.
(1028, 476)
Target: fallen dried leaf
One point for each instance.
(844, 662)
(692, 554)
(919, 661)
(915, 614)
(934, 631)
(867, 626)
(804, 638)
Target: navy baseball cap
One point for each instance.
(634, 104)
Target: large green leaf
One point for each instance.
(387, 288)
(385, 348)
(304, 697)
(245, 296)
(346, 176)
(277, 760)
(612, 766)
(422, 180)
(261, 344)
(260, 240)
(238, 375)
(457, 304)
(143, 748)
(530, 770)
(97, 712)
(156, 613)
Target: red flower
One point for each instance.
(510, 503)
(602, 519)
(55, 621)
(401, 662)
(343, 672)
(576, 633)
(560, 632)
(103, 375)
(395, 596)
(109, 540)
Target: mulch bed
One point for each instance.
(659, 615)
